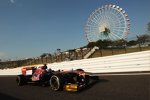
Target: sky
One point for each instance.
(29, 28)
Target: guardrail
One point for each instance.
(131, 62)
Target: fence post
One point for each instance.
(140, 47)
(101, 52)
(112, 51)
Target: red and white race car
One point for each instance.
(72, 80)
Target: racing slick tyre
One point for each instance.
(44, 80)
(21, 80)
(56, 82)
(86, 78)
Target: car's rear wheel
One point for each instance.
(56, 82)
(21, 80)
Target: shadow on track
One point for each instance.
(7, 97)
(92, 83)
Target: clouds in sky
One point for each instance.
(16, 3)
(2, 54)
(12, 1)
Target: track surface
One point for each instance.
(108, 88)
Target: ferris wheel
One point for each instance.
(110, 22)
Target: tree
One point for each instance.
(107, 43)
(103, 44)
(91, 44)
(43, 55)
(132, 42)
(119, 43)
(143, 38)
(49, 54)
(99, 44)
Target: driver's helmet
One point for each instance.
(44, 67)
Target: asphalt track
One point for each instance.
(131, 87)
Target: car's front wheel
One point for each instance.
(56, 82)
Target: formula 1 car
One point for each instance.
(72, 80)
(39, 75)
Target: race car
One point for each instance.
(71, 80)
(39, 75)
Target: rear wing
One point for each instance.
(25, 69)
